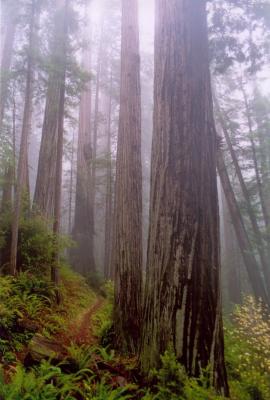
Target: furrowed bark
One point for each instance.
(108, 205)
(128, 189)
(22, 171)
(182, 297)
(44, 191)
(83, 232)
(63, 16)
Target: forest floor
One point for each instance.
(52, 352)
(81, 329)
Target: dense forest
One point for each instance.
(135, 200)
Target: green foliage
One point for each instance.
(174, 384)
(36, 242)
(103, 321)
(101, 391)
(95, 280)
(24, 302)
(105, 353)
(45, 382)
(247, 348)
(82, 355)
(171, 378)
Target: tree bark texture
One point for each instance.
(182, 297)
(108, 205)
(70, 197)
(6, 56)
(128, 189)
(44, 191)
(83, 231)
(26, 126)
(63, 13)
(96, 120)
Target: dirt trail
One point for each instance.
(81, 330)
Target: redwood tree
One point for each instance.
(44, 191)
(26, 126)
(128, 191)
(182, 299)
(83, 231)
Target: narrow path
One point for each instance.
(82, 331)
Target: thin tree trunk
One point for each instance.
(6, 57)
(96, 123)
(257, 233)
(250, 261)
(182, 297)
(5, 68)
(128, 189)
(55, 277)
(108, 207)
(71, 187)
(255, 162)
(230, 257)
(24, 141)
(6, 201)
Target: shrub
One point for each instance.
(248, 351)
(36, 243)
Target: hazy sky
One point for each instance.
(146, 17)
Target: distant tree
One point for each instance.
(182, 298)
(244, 242)
(11, 15)
(63, 23)
(109, 194)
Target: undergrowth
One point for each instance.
(97, 372)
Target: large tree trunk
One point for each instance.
(26, 126)
(250, 261)
(182, 299)
(44, 191)
(128, 189)
(83, 232)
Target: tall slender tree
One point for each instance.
(108, 205)
(128, 189)
(83, 231)
(182, 298)
(260, 245)
(26, 126)
(63, 21)
(245, 245)
(12, 13)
